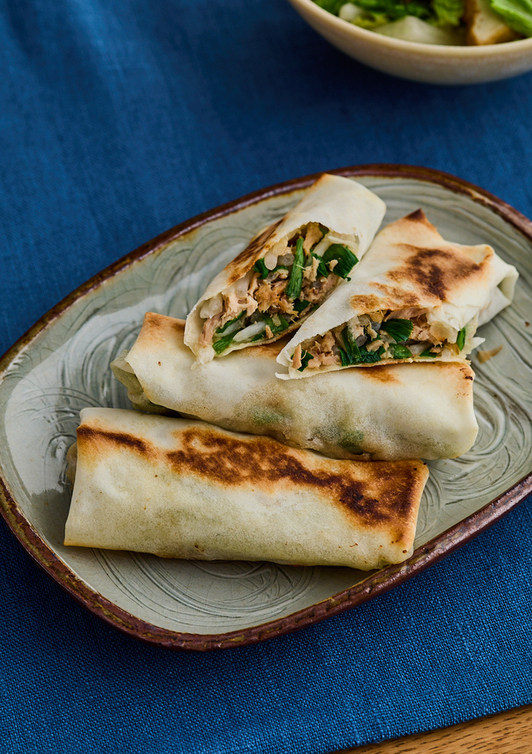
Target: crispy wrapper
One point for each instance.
(184, 489)
(410, 268)
(389, 412)
(350, 211)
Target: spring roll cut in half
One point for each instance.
(390, 413)
(414, 297)
(286, 271)
(184, 489)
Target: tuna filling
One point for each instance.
(281, 290)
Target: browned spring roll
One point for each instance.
(414, 297)
(286, 271)
(388, 412)
(184, 489)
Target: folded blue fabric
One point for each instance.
(119, 119)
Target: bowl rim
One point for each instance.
(421, 48)
(378, 582)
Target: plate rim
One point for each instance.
(377, 582)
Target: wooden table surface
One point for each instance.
(506, 733)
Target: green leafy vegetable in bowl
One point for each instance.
(516, 13)
(443, 22)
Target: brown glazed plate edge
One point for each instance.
(376, 583)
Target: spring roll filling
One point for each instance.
(385, 335)
(284, 286)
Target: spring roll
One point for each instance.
(286, 271)
(183, 489)
(389, 413)
(414, 297)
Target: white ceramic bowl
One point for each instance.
(433, 64)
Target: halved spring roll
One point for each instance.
(286, 271)
(390, 412)
(414, 297)
(184, 489)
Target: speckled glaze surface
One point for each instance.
(62, 365)
(432, 64)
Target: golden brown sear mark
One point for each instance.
(418, 216)
(435, 271)
(88, 434)
(240, 264)
(386, 493)
(178, 325)
(365, 302)
(396, 296)
(263, 461)
(158, 327)
(467, 373)
(381, 373)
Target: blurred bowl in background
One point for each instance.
(431, 64)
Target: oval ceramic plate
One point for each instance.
(62, 365)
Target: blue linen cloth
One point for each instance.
(119, 119)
